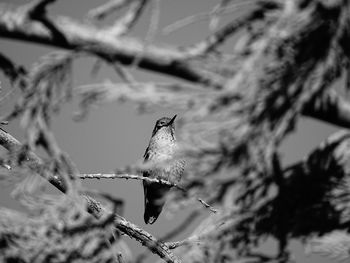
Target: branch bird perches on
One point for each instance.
(94, 207)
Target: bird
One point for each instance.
(162, 147)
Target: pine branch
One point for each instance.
(10, 69)
(325, 170)
(144, 94)
(335, 245)
(330, 108)
(133, 231)
(36, 11)
(68, 34)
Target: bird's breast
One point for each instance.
(162, 146)
(161, 149)
(161, 152)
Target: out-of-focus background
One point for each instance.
(115, 135)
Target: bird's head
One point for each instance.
(164, 123)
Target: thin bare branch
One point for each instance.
(106, 9)
(128, 176)
(126, 22)
(219, 36)
(207, 205)
(182, 227)
(187, 241)
(154, 23)
(222, 10)
(124, 73)
(146, 239)
(175, 232)
(138, 177)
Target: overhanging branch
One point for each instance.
(68, 34)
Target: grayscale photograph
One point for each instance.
(177, 131)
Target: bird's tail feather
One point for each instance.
(155, 194)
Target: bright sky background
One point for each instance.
(115, 135)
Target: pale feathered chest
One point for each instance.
(163, 147)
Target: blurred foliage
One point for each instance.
(57, 230)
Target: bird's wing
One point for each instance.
(146, 154)
(177, 171)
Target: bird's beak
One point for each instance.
(172, 120)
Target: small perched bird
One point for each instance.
(162, 147)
